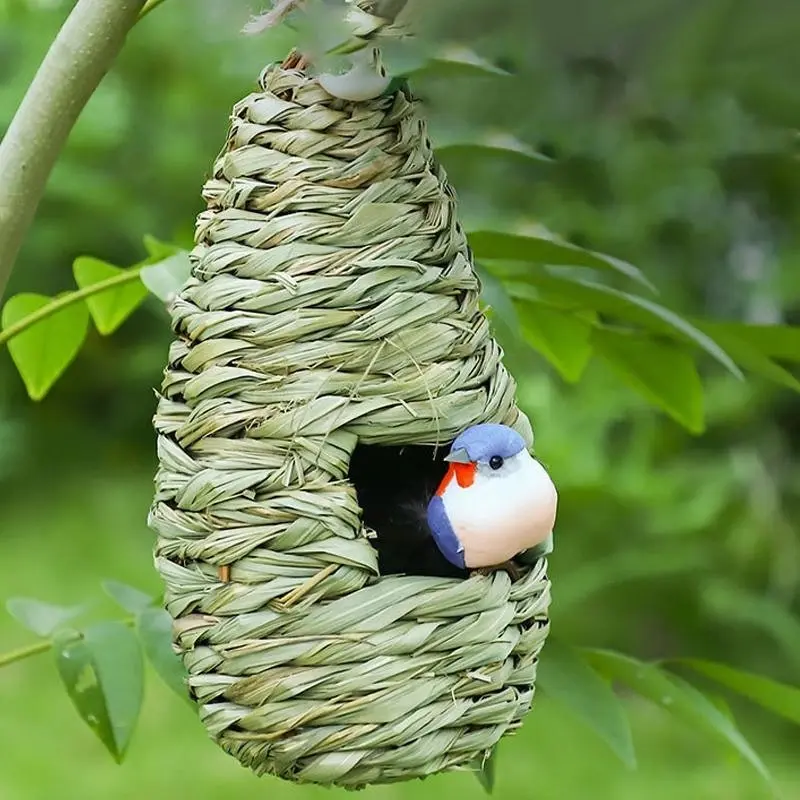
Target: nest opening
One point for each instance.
(393, 485)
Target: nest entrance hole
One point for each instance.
(393, 485)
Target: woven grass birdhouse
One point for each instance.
(332, 306)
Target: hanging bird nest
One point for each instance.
(332, 305)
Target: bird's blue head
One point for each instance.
(485, 441)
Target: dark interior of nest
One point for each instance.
(394, 485)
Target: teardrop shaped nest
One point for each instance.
(332, 302)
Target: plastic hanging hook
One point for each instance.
(365, 80)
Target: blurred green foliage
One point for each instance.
(670, 127)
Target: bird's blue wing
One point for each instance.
(443, 533)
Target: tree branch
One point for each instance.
(80, 56)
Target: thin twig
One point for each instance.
(24, 652)
(67, 300)
(31, 650)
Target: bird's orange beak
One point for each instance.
(464, 474)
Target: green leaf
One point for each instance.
(661, 373)
(480, 145)
(410, 57)
(598, 574)
(679, 698)
(403, 57)
(701, 32)
(734, 606)
(104, 677)
(563, 339)
(458, 58)
(618, 304)
(165, 278)
(320, 28)
(502, 309)
(734, 340)
(774, 341)
(777, 697)
(547, 249)
(118, 658)
(110, 308)
(80, 677)
(158, 250)
(43, 351)
(127, 597)
(722, 705)
(565, 676)
(155, 632)
(486, 769)
(41, 618)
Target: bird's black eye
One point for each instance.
(495, 462)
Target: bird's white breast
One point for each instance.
(502, 514)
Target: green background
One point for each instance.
(669, 127)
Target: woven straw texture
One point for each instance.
(332, 300)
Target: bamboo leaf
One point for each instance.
(477, 145)
(563, 339)
(43, 351)
(614, 303)
(732, 605)
(776, 697)
(565, 676)
(597, 575)
(501, 306)
(547, 249)
(109, 309)
(735, 339)
(679, 698)
(664, 375)
(458, 58)
(701, 32)
(406, 58)
(774, 341)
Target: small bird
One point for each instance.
(495, 501)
